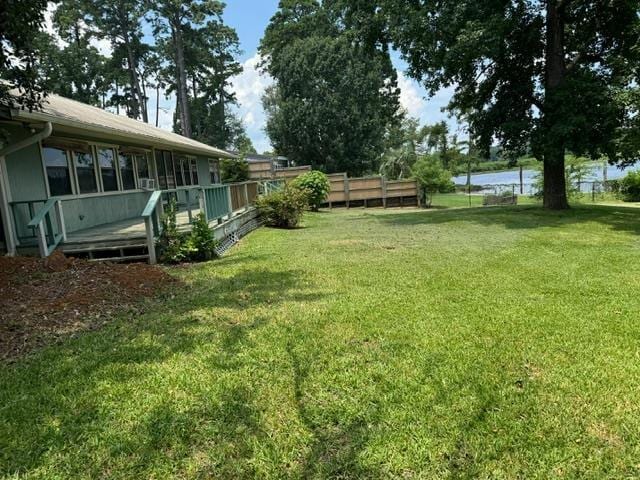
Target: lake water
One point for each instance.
(528, 177)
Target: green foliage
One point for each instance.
(401, 144)
(233, 171)
(333, 97)
(496, 56)
(630, 187)
(170, 245)
(577, 168)
(200, 243)
(19, 25)
(283, 208)
(175, 247)
(316, 185)
(432, 178)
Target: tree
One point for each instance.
(334, 95)
(402, 141)
(121, 22)
(19, 24)
(542, 74)
(199, 53)
(69, 64)
(431, 177)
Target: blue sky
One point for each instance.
(250, 18)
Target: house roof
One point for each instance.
(69, 115)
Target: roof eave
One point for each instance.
(23, 115)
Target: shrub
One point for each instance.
(630, 187)
(316, 185)
(284, 208)
(176, 247)
(171, 242)
(200, 245)
(432, 178)
(233, 171)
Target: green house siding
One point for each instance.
(24, 169)
(203, 171)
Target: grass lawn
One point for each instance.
(480, 343)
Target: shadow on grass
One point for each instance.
(625, 219)
(54, 402)
(335, 446)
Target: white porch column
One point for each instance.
(7, 216)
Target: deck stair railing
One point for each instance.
(48, 226)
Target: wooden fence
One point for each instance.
(371, 191)
(265, 171)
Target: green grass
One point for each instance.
(480, 343)
(460, 200)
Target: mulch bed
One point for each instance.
(46, 300)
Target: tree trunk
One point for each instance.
(182, 81)
(137, 104)
(555, 191)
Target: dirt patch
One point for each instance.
(43, 301)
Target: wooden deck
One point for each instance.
(128, 231)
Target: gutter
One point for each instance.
(44, 133)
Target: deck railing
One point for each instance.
(48, 225)
(42, 222)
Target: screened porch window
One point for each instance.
(184, 165)
(85, 171)
(107, 162)
(194, 171)
(58, 174)
(142, 163)
(127, 171)
(214, 174)
(177, 166)
(164, 165)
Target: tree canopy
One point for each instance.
(334, 96)
(554, 75)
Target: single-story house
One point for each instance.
(77, 177)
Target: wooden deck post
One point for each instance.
(60, 217)
(5, 211)
(42, 239)
(246, 196)
(151, 243)
(203, 204)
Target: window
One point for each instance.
(177, 166)
(127, 172)
(194, 171)
(162, 171)
(168, 162)
(58, 173)
(106, 160)
(184, 164)
(85, 171)
(214, 174)
(142, 163)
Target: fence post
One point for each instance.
(384, 191)
(346, 189)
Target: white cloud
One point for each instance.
(410, 97)
(249, 88)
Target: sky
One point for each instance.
(250, 19)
